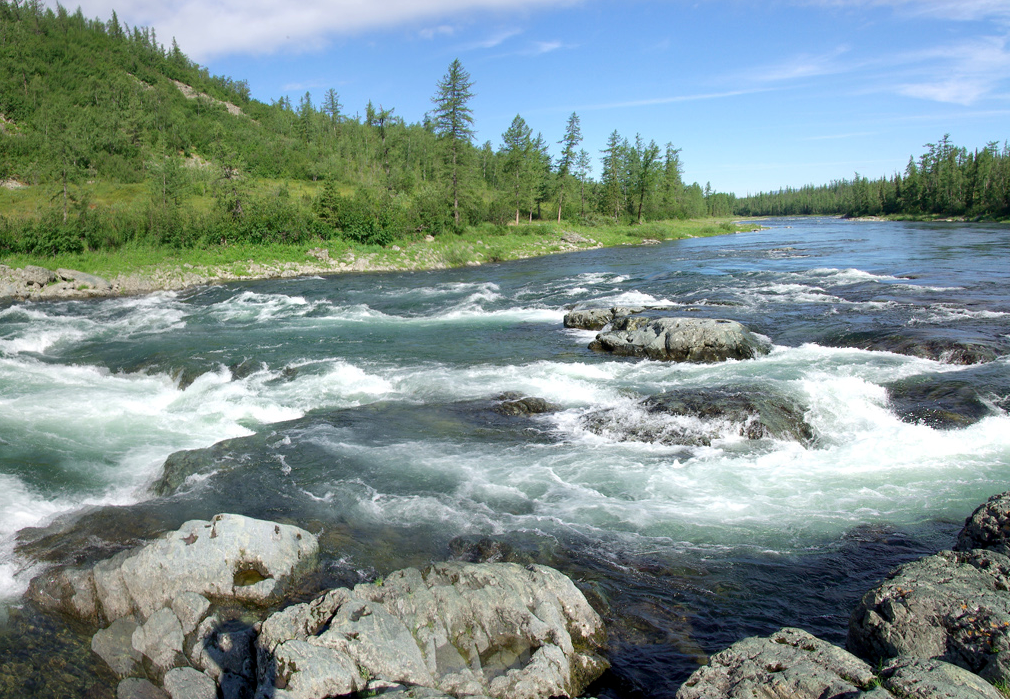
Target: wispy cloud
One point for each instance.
(801, 66)
(961, 10)
(441, 30)
(654, 101)
(206, 28)
(970, 71)
(492, 41)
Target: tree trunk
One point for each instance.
(561, 198)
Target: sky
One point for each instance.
(758, 95)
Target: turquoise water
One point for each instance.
(361, 406)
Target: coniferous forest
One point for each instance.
(126, 140)
(946, 181)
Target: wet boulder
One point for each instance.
(697, 417)
(939, 402)
(512, 403)
(988, 527)
(229, 557)
(952, 606)
(792, 663)
(597, 318)
(702, 340)
(496, 629)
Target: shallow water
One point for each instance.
(362, 407)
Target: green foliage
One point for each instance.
(945, 181)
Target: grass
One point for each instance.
(483, 244)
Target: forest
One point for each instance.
(117, 139)
(946, 181)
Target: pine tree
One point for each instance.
(453, 120)
(571, 140)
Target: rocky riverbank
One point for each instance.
(194, 614)
(936, 627)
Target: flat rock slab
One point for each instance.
(228, 557)
(495, 629)
(701, 340)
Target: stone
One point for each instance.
(187, 683)
(789, 663)
(38, 276)
(84, 279)
(597, 318)
(702, 340)
(114, 645)
(190, 608)
(914, 678)
(136, 688)
(697, 417)
(940, 402)
(988, 527)
(495, 629)
(160, 641)
(229, 557)
(224, 648)
(517, 404)
(952, 606)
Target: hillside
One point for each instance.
(108, 138)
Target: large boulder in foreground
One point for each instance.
(792, 663)
(703, 340)
(494, 629)
(953, 606)
(229, 557)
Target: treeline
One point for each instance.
(946, 181)
(86, 102)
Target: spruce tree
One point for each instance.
(453, 120)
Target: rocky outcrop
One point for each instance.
(988, 527)
(702, 340)
(942, 403)
(82, 280)
(230, 556)
(697, 417)
(496, 630)
(792, 663)
(597, 318)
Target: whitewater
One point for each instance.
(362, 406)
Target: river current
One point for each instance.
(362, 407)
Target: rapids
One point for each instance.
(362, 407)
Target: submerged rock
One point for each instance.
(697, 417)
(939, 402)
(517, 404)
(497, 630)
(948, 350)
(230, 557)
(703, 340)
(597, 318)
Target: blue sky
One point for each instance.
(758, 95)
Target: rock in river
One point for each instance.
(680, 339)
(597, 318)
(228, 557)
(792, 663)
(497, 630)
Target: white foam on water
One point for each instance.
(938, 314)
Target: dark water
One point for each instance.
(363, 407)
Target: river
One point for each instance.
(363, 406)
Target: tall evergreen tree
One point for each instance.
(453, 120)
(568, 143)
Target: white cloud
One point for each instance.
(963, 10)
(970, 71)
(801, 66)
(206, 28)
(441, 30)
(655, 101)
(496, 39)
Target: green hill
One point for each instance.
(109, 138)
